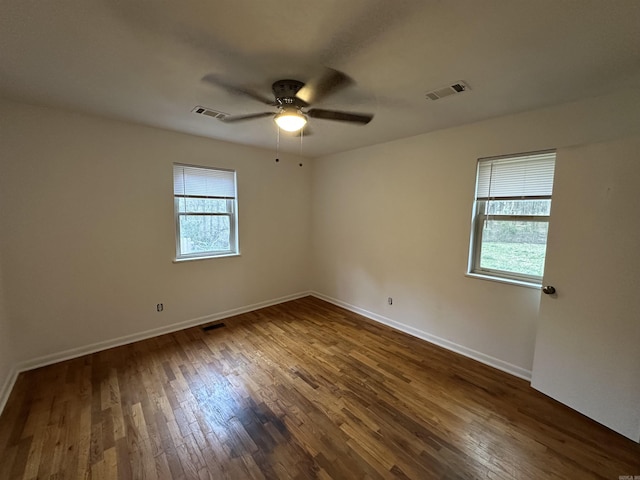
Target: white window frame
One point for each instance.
(231, 212)
(480, 218)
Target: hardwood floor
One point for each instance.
(299, 390)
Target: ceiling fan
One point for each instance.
(293, 99)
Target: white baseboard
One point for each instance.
(116, 342)
(454, 347)
(7, 387)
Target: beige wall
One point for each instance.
(393, 220)
(88, 230)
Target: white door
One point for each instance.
(587, 352)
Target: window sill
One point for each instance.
(519, 283)
(208, 257)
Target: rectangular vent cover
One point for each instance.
(209, 112)
(213, 327)
(438, 93)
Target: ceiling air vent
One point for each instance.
(438, 93)
(209, 112)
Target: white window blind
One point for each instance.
(516, 177)
(203, 183)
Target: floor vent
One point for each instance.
(437, 94)
(209, 112)
(213, 327)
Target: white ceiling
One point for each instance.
(143, 61)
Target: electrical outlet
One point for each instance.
(160, 307)
(390, 301)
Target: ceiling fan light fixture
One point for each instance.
(290, 120)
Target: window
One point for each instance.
(511, 217)
(205, 212)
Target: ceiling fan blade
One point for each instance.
(318, 88)
(361, 118)
(241, 118)
(218, 82)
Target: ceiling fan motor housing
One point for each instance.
(285, 92)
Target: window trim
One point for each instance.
(232, 214)
(479, 217)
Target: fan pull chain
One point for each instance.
(277, 144)
(301, 135)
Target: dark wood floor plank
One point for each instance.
(301, 390)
